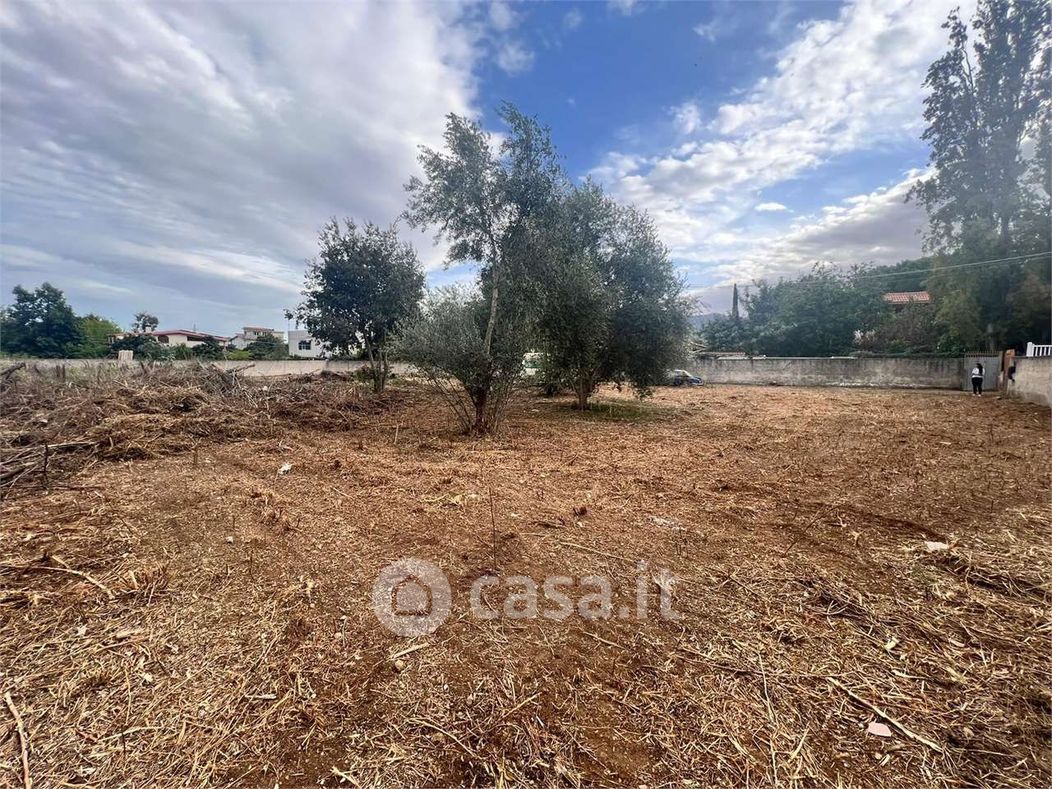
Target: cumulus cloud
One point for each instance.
(771, 207)
(187, 154)
(842, 85)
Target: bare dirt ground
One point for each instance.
(198, 619)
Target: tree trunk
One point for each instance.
(376, 368)
(584, 391)
(488, 342)
(480, 426)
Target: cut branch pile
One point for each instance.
(51, 427)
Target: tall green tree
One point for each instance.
(363, 283)
(144, 322)
(612, 307)
(486, 201)
(817, 314)
(39, 323)
(988, 98)
(95, 334)
(986, 94)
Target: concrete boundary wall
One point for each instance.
(1033, 375)
(885, 372)
(1033, 379)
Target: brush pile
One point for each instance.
(51, 426)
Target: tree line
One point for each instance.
(988, 196)
(41, 324)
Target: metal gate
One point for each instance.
(991, 371)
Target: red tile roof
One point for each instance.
(908, 296)
(190, 334)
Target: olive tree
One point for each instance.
(612, 304)
(362, 284)
(446, 342)
(483, 200)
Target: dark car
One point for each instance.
(683, 378)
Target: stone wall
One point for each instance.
(1033, 379)
(896, 372)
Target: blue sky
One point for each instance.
(180, 158)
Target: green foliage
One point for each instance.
(446, 342)
(266, 346)
(144, 322)
(488, 206)
(95, 333)
(723, 333)
(143, 346)
(209, 349)
(364, 282)
(988, 93)
(39, 323)
(611, 307)
(912, 329)
(985, 96)
(814, 315)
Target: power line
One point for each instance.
(930, 271)
(935, 270)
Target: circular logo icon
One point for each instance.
(411, 597)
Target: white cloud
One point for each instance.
(572, 19)
(514, 58)
(625, 7)
(189, 153)
(707, 30)
(843, 85)
(879, 227)
(687, 117)
(771, 207)
(501, 16)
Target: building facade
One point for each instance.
(303, 346)
(249, 334)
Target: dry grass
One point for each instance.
(142, 647)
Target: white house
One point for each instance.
(304, 346)
(173, 337)
(249, 334)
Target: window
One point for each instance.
(304, 345)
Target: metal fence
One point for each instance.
(991, 371)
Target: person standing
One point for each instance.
(977, 380)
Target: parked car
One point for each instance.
(683, 378)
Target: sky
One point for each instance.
(180, 158)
